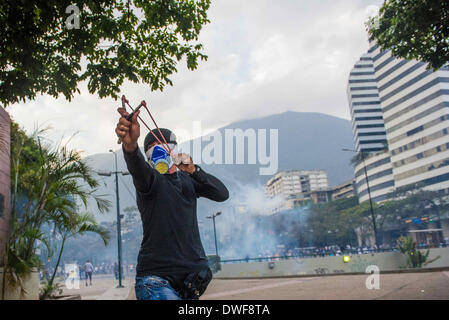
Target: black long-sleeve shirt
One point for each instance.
(171, 244)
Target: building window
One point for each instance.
(426, 168)
(420, 141)
(414, 131)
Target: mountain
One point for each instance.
(305, 141)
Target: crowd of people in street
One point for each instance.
(88, 269)
(285, 252)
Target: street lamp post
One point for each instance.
(215, 231)
(119, 231)
(369, 195)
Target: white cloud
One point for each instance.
(371, 11)
(273, 60)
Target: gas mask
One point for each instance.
(159, 158)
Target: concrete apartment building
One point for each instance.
(295, 187)
(287, 183)
(344, 190)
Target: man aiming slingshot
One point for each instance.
(172, 264)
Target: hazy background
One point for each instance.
(308, 141)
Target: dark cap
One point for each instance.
(167, 134)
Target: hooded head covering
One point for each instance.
(167, 134)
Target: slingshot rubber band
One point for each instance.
(143, 104)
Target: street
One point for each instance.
(420, 286)
(400, 286)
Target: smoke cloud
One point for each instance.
(249, 229)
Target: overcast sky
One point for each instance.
(265, 57)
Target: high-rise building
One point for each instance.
(369, 132)
(380, 177)
(414, 104)
(364, 103)
(415, 107)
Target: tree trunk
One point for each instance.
(57, 262)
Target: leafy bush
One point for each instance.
(415, 258)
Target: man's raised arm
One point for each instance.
(129, 133)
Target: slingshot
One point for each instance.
(143, 104)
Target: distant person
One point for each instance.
(88, 269)
(81, 270)
(116, 270)
(116, 273)
(71, 276)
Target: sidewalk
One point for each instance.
(114, 293)
(104, 288)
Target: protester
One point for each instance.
(172, 264)
(81, 272)
(88, 269)
(116, 270)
